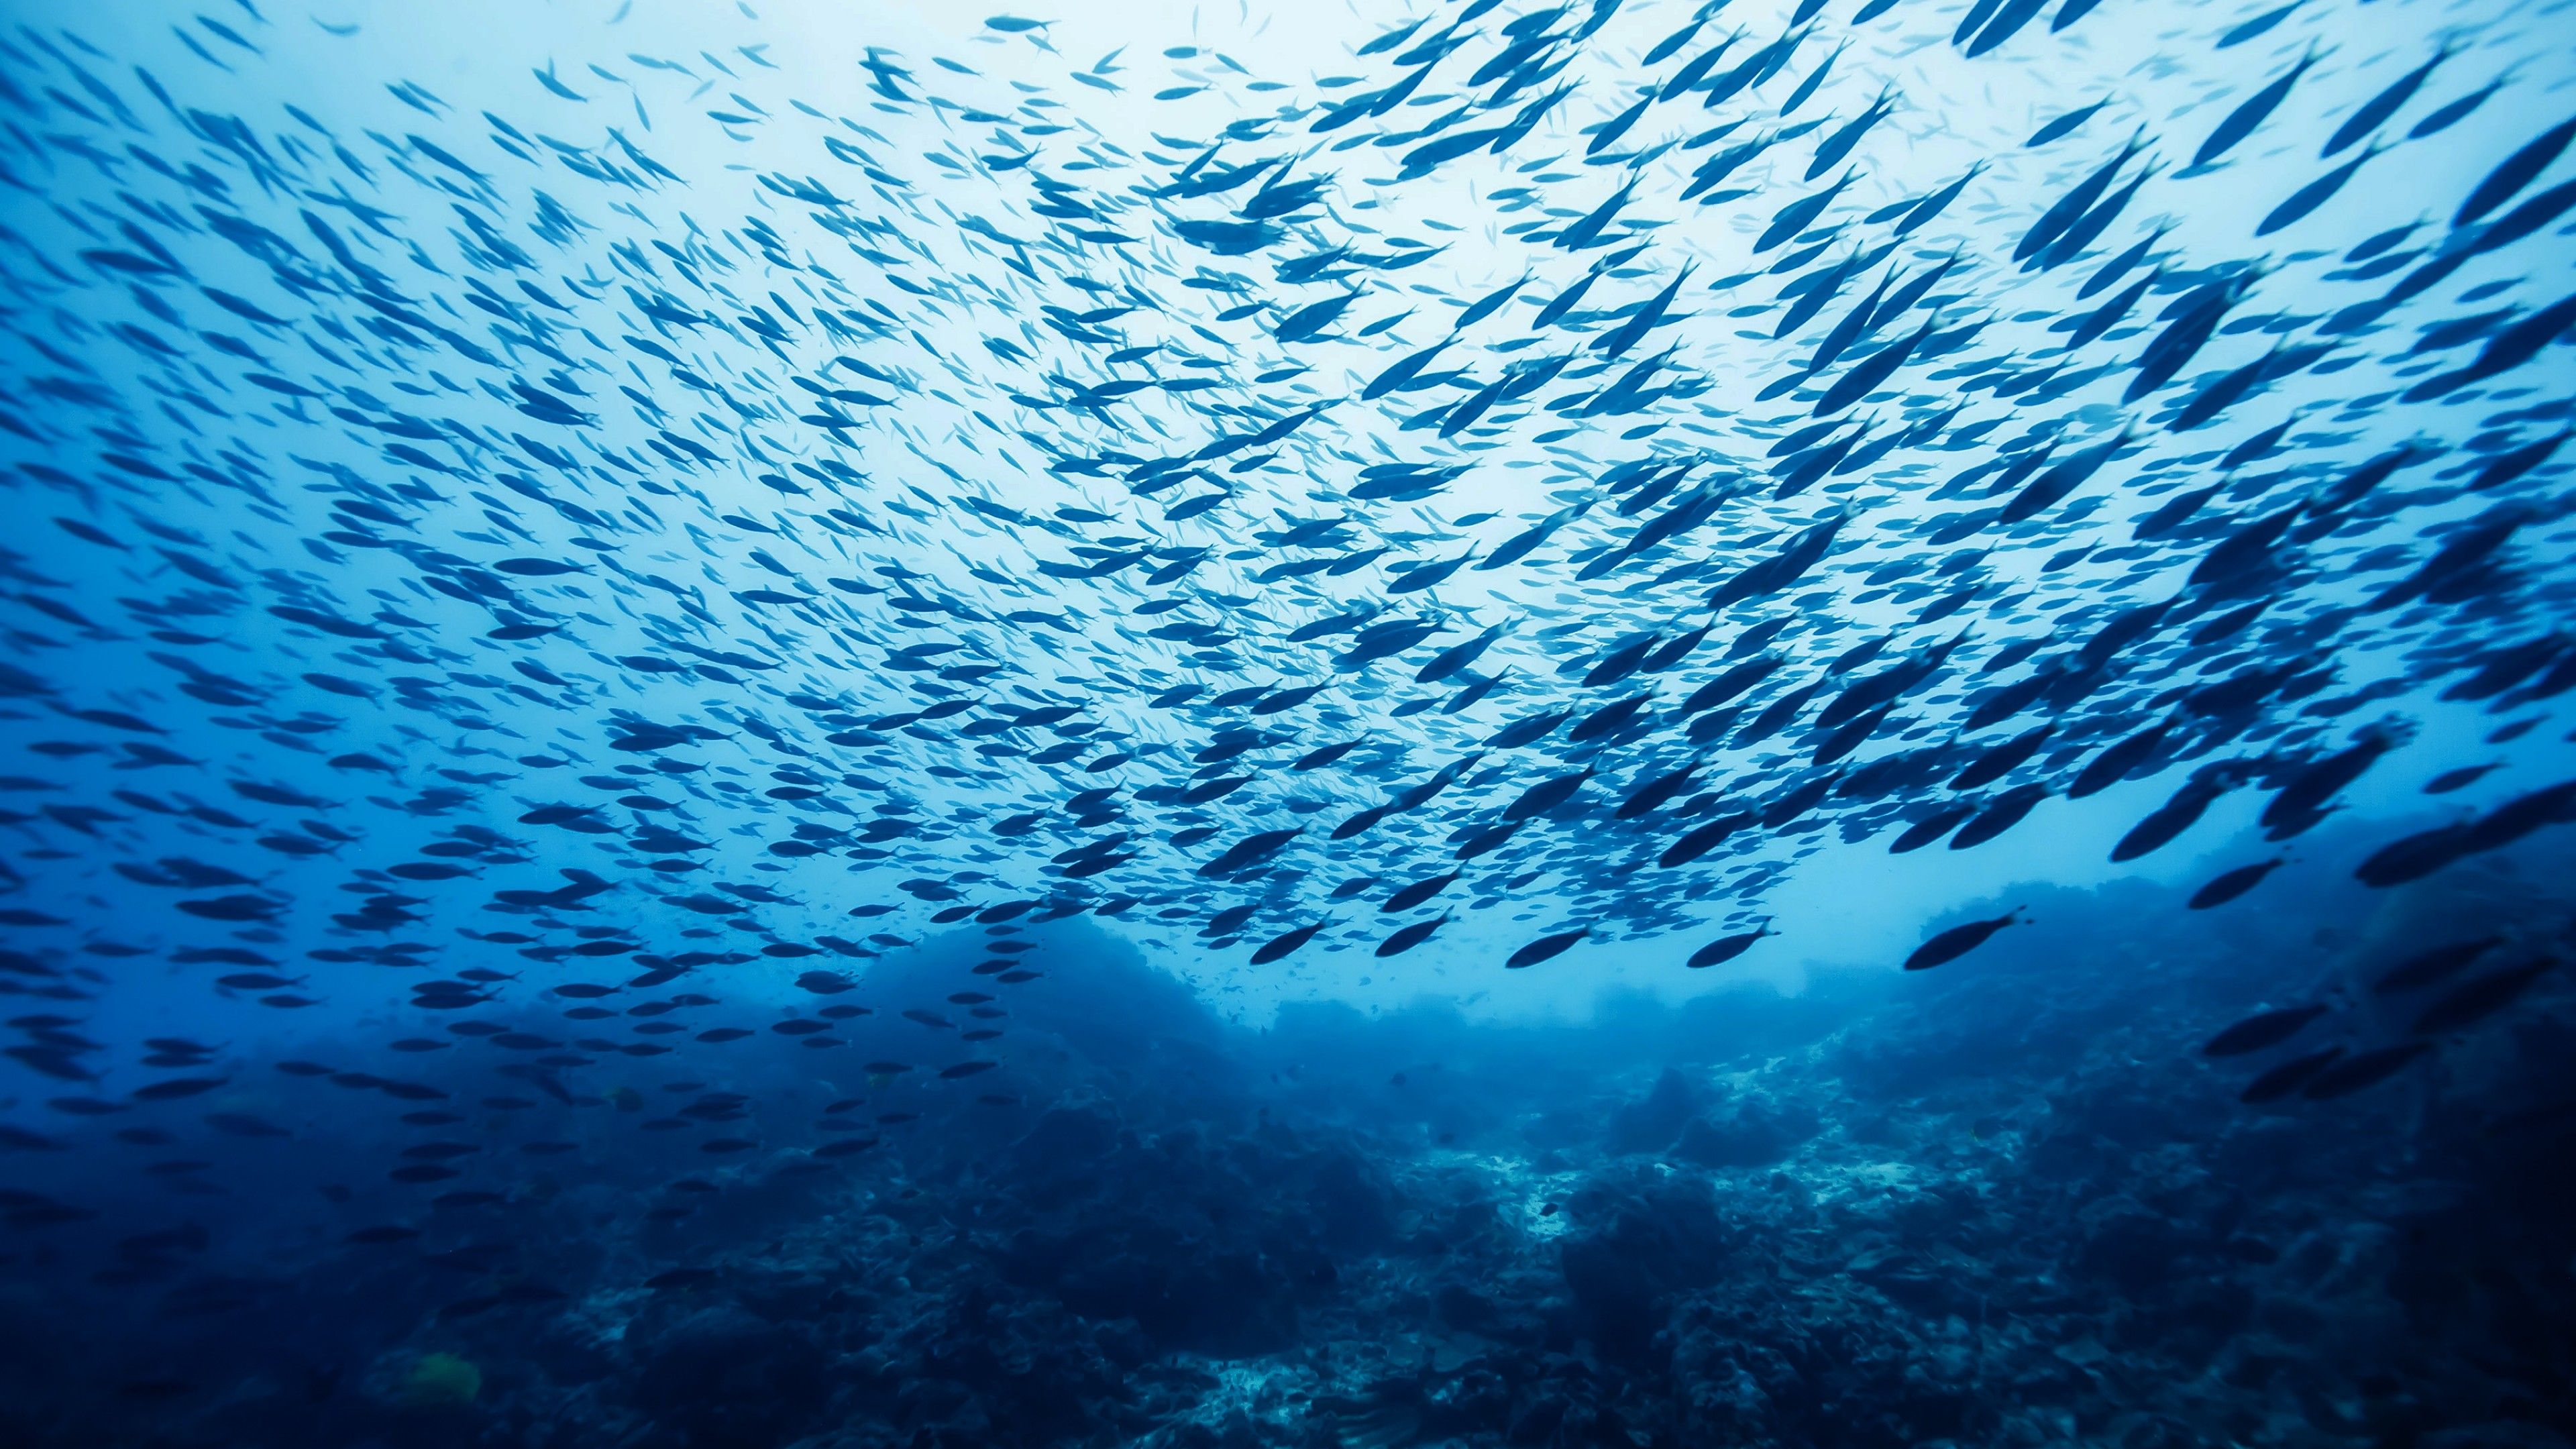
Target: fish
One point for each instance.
(2171, 819)
(2251, 113)
(1727, 948)
(2479, 997)
(1405, 938)
(1547, 948)
(2229, 884)
(2064, 125)
(2290, 1076)
(2262, 1031)
(1285, 943)
(1947, 946)
(2371, 114)
(2514, 172)
(2361, 1070)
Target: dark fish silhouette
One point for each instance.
(2347, 1075)
(2479, 997)
(2261, 1031)
(1727, 948)
(1950, 945)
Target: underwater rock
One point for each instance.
(1063, 1152)
(439, 1381)
(1650, 1123)
(1210, 1247)
(723, 1379)
(1755, 1134)
(1349, 1203)
(1722, 1386)
(1642, 1239)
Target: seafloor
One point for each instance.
(2005, 1203)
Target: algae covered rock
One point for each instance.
(439, 1381)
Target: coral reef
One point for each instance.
(1963, 1212)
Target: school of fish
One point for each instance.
(1554, 476)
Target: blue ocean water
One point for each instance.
(1472, 723)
